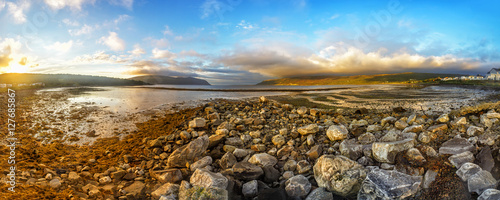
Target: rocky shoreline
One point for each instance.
(261, 149)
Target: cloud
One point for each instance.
(84, 30)
(72, 4)
(125, 3)
(167, 31)
(23, 61)
(114, 42)
(216, 7)
(334, 60)
(138, 51)
(121, 18)
(99, 57)
(61, 47)
(246, 25)
(161, 43)
(5, 57)
(17, 11)
(163, 54)
(334, 16)
(146, 67)
(2, 4)
(70, 22)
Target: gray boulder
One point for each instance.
(205, 178)
(384, 184)
(490, 194)
(297, 186)
(456, 146)
(386, 151)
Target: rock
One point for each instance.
(429, 177)
(438, 128)
(303, 167)
(415, 157)
(339, 174)
(278, 140)
(136, 190)
(297, 186)
(258, 147)
(490, 194)
(73, 177)
(263, 159)
(197, 123)
(302, 110)
(485, 159)
(373, 128)
(155, 143)
(488, 139)
(105, 180)
(201, 163)
(314, 152)
(227, 160)
(320, 194)
(250, 189)
(488, 122)
(384, 184)
(335, 132)
(188, 153)
(165, 190)
(241, 153)
(443, 118)
(207, 179)
(481, 181)
(255, 134)
(167, 176)
(287, 175)
(118, 175)
(391, 136)
(413, 129)
(426, 137)
(197, 192)
(247, 171)
(386, 151)
(467, 170)
(429, 151)
(400, 124)
(310, 140)
(290, 165)
(458, 160)
(387, 120)
(215, 140)
(460, 121)
(222, 131)
(271, 174)
(55, 183)
(309, 129)
(313, 112)
(263, 99)
(367, 138)
(351, 149)
(456, 146)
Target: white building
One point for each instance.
(494, 74)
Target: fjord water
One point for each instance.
(132, 99)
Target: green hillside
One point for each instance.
(65, 80)
(399, 78)
(170, 80)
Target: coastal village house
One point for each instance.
(494, 74)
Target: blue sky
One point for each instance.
(247, 41)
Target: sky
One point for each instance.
(247, 41)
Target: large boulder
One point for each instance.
(339, 174)
(456, 146)
(490, 194)
(386, 151)
(297, 186)
(335, 132)
(188, 153)
(205, 178)
(384, 184)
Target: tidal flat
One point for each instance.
(275, 145)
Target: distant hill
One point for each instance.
(64, 80)
(399, 78)
(170, 80)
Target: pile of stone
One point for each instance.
(267, 150)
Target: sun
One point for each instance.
(17, 68)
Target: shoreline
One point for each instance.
(254, 127)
